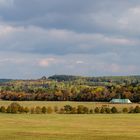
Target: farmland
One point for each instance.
(74, 127)
(58, 125)
(69, 126)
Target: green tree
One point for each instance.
(8, 110)
(3, 109)
(85, 110)
(13, 108)
(125, 110)
(137, 109)
(114, 110)
(91, 111)
(108, 110)
(97, 110)
(21, 109)
(38, 110)
(26, 110)
(80, 109)
(44, 110)
(102, 110)
(67, 108)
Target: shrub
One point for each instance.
(91, 111)
(96, 110)
(38, 110)
(137, 109)
(67, 108)
(102, 110)
(8, 110)
(82, 109)
(21, 109)
(108, 110)
(125, 110)
(44, 110)
(26, 109)
(114, 110)
(13, 108)
(3, 109)
(85, 110)
(14, 104)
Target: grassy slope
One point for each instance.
(69, 127)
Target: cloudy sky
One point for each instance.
(76, 37)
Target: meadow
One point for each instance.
(69, 127)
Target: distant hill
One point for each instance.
(5, 80)
(110, 79)
(65, 77)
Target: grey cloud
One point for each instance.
(87, 37)
(80, 15)
(53, 41)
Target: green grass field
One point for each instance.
(69, 127)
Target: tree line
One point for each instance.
(16, 108)
(71, 93)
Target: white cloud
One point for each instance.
(79, 62)
(12, 60)
(129, 21)
(135, 10)
(120, 41)
(46, 62)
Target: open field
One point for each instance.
(63, 103)
(69, 127)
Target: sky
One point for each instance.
(73, 37)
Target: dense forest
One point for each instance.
(71, 88)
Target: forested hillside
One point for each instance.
(105, 79)
(5, 80)
(72, 88)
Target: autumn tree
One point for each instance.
(44, 109)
